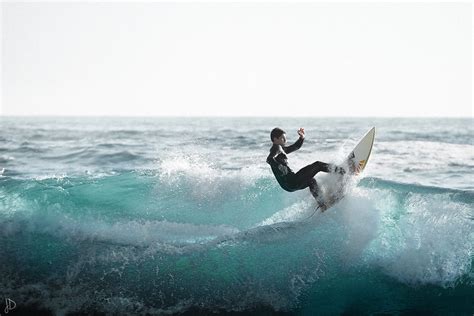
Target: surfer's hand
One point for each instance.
(301, 132)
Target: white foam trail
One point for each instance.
(137, 233)
(297, 211)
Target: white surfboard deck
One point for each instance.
(356, 162)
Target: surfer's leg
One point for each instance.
(314, 189)
(311, 170)
(304, 176)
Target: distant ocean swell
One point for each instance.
(185, 238)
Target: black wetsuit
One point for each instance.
(304, 178)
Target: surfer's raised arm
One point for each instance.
(297, 144)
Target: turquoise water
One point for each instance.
(182, 215)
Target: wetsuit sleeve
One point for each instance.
(295, 146)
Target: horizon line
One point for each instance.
(220, 116)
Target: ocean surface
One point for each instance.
(151, 216)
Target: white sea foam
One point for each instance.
(415, 238)
(359, 218)
(51, 176)
(424, 239)
(204, 179)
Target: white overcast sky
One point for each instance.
(244, 59)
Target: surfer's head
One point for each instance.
(278, 136)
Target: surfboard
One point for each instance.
(358, 158)
(355, 162)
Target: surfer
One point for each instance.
(302, 179)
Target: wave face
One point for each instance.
(201, 231)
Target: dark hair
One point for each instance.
(276, 133)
